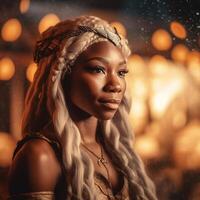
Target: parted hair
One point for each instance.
(55, 53)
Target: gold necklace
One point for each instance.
(100, 159)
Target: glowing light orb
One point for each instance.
(47, 21)
(30, 72)
(147, 147)
(178, 30)
(158, 64)
(7, 68)
(136, 64)
(24, 6)
(11, 30)
(193, 57)
(193, 64)
(120, 28)
(161, 40)
(187, 147)
(179, 53)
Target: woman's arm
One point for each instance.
(34, 169)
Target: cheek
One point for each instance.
(123, 86)
(86, 88)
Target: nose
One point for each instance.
(112, 84)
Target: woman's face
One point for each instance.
(97, 84)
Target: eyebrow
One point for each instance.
(104, 60)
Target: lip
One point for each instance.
(110, 103)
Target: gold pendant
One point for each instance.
(101, 161)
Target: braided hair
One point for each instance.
(56, 51)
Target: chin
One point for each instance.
(106, 116)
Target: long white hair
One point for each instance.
(56, 52)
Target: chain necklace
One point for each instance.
(100, 159)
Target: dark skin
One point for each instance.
(97, 76)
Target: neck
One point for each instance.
(88, 129)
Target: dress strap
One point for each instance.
(33, 196)
(55, 145)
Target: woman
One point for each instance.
(77, 139)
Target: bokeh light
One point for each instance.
(158, 64)
(179, 53)
(136, 64)
(148, 147)
(187, 147)
(7, 68)
(7, 145)
(165, 86)
(139, 115)
(193, 58)
(178, 30)
(120, 28)
(30, 71)
(193, 64)
(11, 30)
(179, 119)
(161, 40)
(24, 6)
(47, 21)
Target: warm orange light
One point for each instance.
(179, 53)
(24, 6)
(158, 64)
(179, 119)
(7, 68)
(7, 145)
(47, 21)
(165, 84)
(147, 147)
(193, 64)
(187, 147)
(30, 72)
(138, 115)
(193, 57)
(178, 30)
(11, 30)
(161, 40)
(136, 64)
(120, 28)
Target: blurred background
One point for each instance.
(164, 80)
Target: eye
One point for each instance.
(96, 69)
(122, 73)
(99, 70)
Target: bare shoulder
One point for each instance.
(35, 168)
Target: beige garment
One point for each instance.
(103, 188)
(33, 196)
(103, 192)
